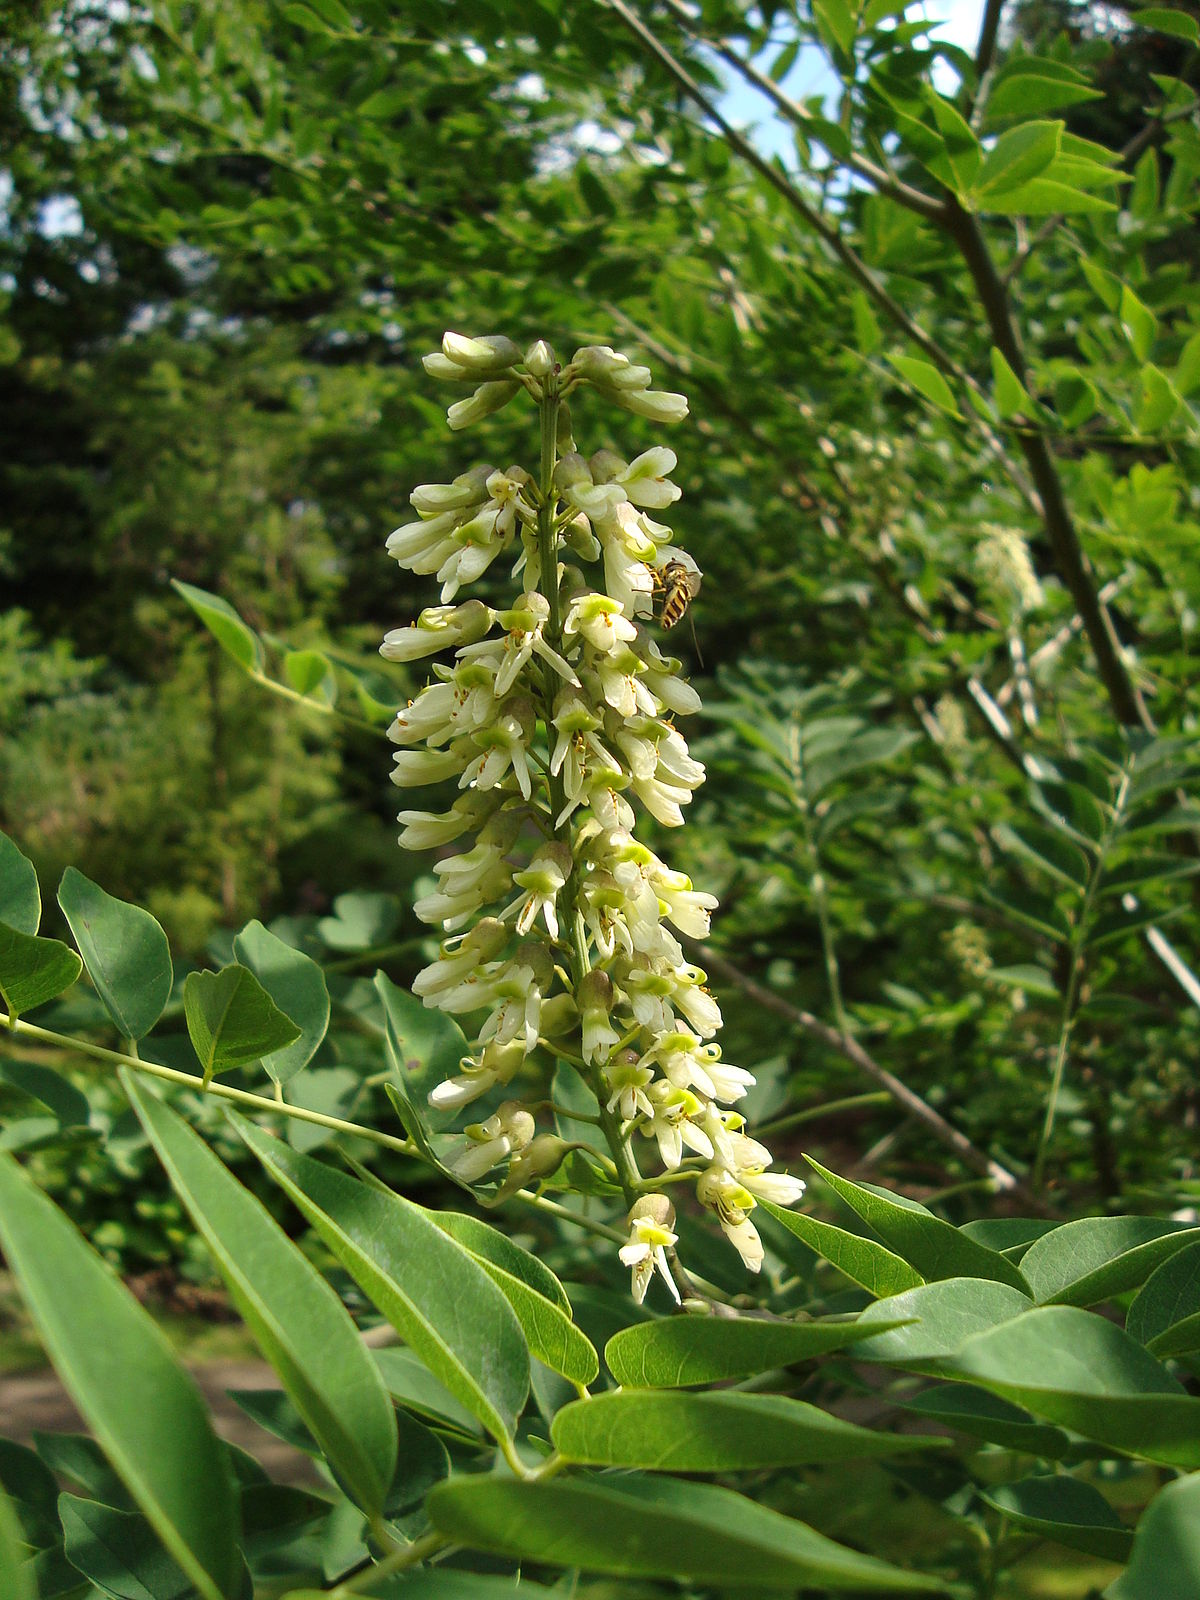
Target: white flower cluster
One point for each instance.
(1003, 561)
(554, 719)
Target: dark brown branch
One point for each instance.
(1056, 516)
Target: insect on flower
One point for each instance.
(678, 583)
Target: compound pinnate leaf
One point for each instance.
(667, 1431)
(296, 984)
(679, 1352)
(231, 1019)
(437, 1296)
(122, 1375)
(297, 1320)
(124, 950)
(660, 1528)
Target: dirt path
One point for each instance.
(36, 1402)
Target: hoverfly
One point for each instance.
(677, 583)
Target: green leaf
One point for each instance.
(1084, 1262)
(33, 970)
(666, 1431)
(679, 1352)
(296, 984)
(1165, 19)
(33, 1494)
(1046, 197)
(1029, 979)
(1010, 1235)
(551, 1335)
(1016, 157)
(436, 1296)
(122, 1375)
(1033, 84)
(20, 897)
(16, 1571)
(118, 1552)
(68, 1104)
(1049, 850)
(297, 1320)
(836, 20)
(1080, 1371)
(360, 920)
(866, 325)
(1012, 398)
(1158, 402)
(1187, 378)
(1066, 1510)
(868, 1263)
(932, 1247)
(940, 1317)
(310, 673)
(986, 1416)
(423, 1047)
(928, 381)
(1144, 196)
(1165, 1314)
(125, 951)
(1075, 399)
(231, 1019)
(963, 153)
(223, 622)
(1165, 1564)
(659, 1528)
(410, 1383)
(1139, 322)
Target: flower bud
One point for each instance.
(492, 353)
(542, 1159)
(437, 366)
(565, 437)
(559, 1016)
(435, 629)
(487, 398)
(653, 1208)
(570, 471)
(658, 405)
(598, 362)
(539, 360)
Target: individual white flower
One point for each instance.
(427, 830)
(651, 1220)
(689, 909)
(600, 620)
(496, 1063)
(487, 398)
(645, 479)
(507, 1131)
(674, 1123)
(525, 625)
(750, 1161)
(459, 957)
(490, 353)
(412, 769)
(505, 743)
(518, 990)
(594, 998)
(628, 1078)
(541, 880)
(437, 628)
(464, 494)
(732, 1202)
